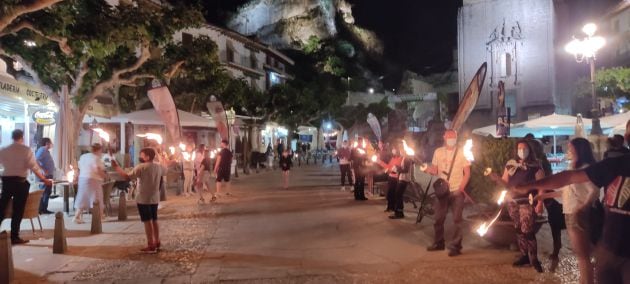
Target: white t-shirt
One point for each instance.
(90, 166)
(575, 196)
(442, 159)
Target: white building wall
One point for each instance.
(533, 60)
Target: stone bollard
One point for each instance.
(97, 226)
(59, 241)
(6, 258)
(122, 206)
(163, 190)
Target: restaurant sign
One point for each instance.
(44, 117)
(22, 91)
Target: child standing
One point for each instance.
(149, 176)
(285, 164)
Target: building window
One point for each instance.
(274, 79)
(268, 60)
(510, 101)
(187, 39)
(229, 52)
(506, 65)
(253, 61)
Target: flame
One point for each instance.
(194, 155)
(361, 151)
(483, 228)
(172, 150)
(363, 144)
(213, 154)
(152, 136)
(408, 149)
(502, 197)
(424, 167)
(70, 174)
(182, 146)
(355, 144)
(101, 133)
(187, 156)
(374, 158)
(531, 199)
(468, 154)
(487, 172)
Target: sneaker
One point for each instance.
(343, 188)
(454, 252)
(18, 241)
(522, 260)
(435, 247)
(46, 212)
(149, 249)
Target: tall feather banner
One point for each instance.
(375, 125)
(164, 105)
(470, 98)
(216, 110)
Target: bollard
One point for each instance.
(122, 206)
(162, 190)
(97, 226)
(6, 258)
(59, 241)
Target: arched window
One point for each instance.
(506, 64)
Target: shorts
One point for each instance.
(148, 212)
(223, 176)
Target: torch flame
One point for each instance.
(70, 174)
(502, 197)
(152, 136)
(468, 154)
(355, 144)
(212, 154)
(487, 172)
(194, 155)
(374, 158)
(361, 151)
(408, 149)
(363, 144)
(186, 156)
(483, 228)
(101, 133)
(182, 146)
(172, 150)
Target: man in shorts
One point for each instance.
(149, 176)
(223, 166)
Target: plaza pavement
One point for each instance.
(310, 233)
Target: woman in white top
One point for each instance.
(91, 176)
(576, 202)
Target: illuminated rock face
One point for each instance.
(289, 23)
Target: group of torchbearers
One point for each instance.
(599, 230)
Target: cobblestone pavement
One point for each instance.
(310, 233)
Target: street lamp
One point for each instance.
(586, 49)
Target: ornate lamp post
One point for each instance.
(585, 50)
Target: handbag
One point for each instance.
(441, 187)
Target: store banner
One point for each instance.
(101, 110)
(22, 91)
(164, 105)
(217, 112)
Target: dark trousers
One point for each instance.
(359, 186)
(43, 203)
(400, 193)
(392, 183)
(455, 201)
(556, 223)
(16, 188)
(611, 268)
(345, 172)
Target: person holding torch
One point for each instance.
(404, 177)
(450, 164)
(358, 157)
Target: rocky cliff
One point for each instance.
(290, 23)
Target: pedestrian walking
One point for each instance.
(149, 176)
(285, 165)
(343, 154)
(200, 154)
(577, 201)
(17, 160)
(524, 168)
(450, 164)
(358, 158)
(204, 177)
(90, 183)
(188, 166)
(223, 168)
(47, 164)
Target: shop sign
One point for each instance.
(20, 90)
(101, 110)
(44, 117)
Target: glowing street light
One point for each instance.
(587, 49)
